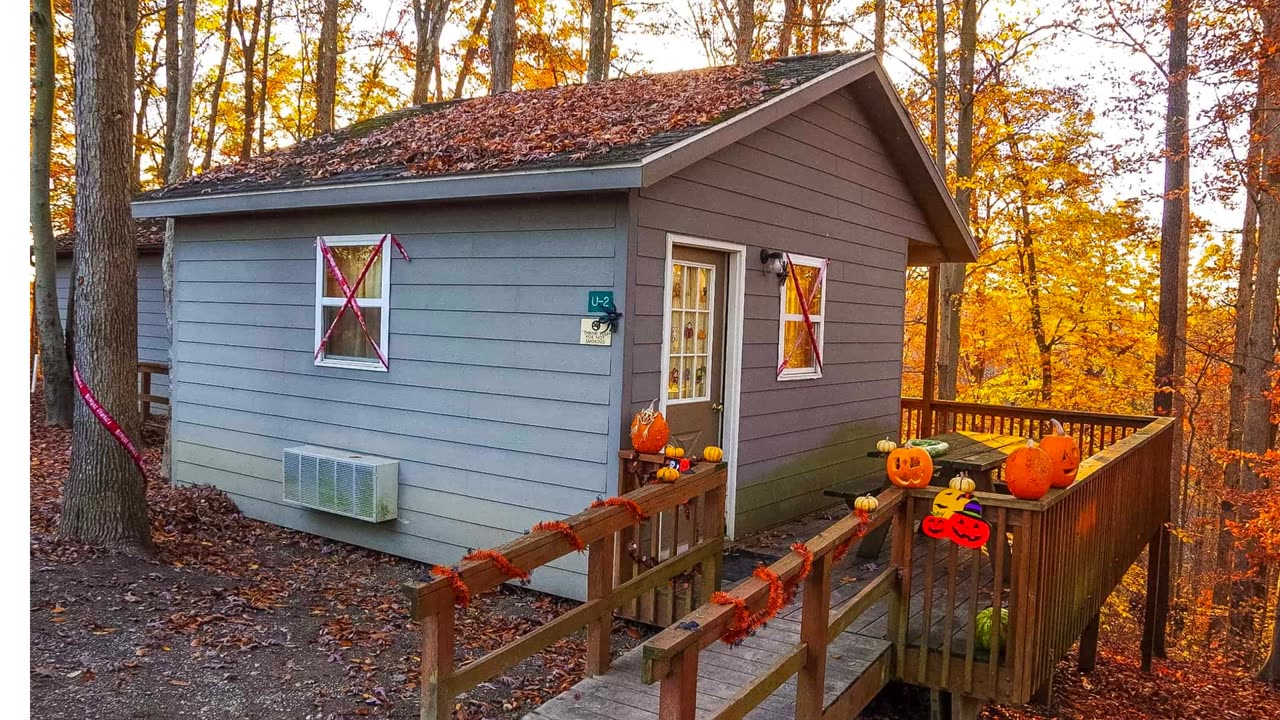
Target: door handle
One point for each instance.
(717, 407)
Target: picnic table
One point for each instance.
(976, 453)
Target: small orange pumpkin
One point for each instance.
(711, 453)
(910, 467)
(667, 473)
(1027, 471)
(1064, 453)
(649, 430)
(674, 451)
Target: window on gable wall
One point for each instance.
(798, 358)
(348, 345)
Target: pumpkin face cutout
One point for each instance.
(649, 430)
(968, 529)
(935, 527)
(1064, 453)
(910, 467)
(949, 502)
(1027, 471)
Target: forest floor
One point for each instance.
(236, 618)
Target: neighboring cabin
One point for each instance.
(496, 412)
(153, 331)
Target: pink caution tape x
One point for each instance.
(350, 291)
(106, 421)
(804, 310)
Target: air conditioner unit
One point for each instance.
(341, 482)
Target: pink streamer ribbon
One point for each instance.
(349, 292)
(804, 311)
(107, 422)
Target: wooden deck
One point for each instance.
(861, 653)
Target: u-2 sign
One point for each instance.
(598, 301)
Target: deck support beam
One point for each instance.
(1155, 616)
(930, 355)
(1089, 644)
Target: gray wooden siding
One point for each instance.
(153, 334)
(499, 418)
(819, 183)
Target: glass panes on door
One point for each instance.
(689, 359)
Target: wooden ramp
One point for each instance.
(858, 664)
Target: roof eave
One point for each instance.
(450, 187)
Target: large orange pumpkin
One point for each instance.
(649, 430)
(1064, 453)
(1027, 471)
(910, 467)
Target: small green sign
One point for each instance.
(599, 301)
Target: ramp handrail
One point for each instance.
(432, 603)
(671, 656)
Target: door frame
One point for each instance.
(735, 302)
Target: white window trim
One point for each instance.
(383, 302)
(819, 320)
(711, 328)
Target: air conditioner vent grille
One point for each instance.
(341, 482)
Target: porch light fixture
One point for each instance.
(774, 263)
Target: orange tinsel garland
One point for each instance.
(781, 594)
(507, 567)
(565, 529)
(864, 520)
(740, 626)
(461, 593)
(627, 503)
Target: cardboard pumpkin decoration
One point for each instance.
(910, 467)
(950, 501)
(649, 430)
(1027, 471)
(1064, 453)
(936, 527)
(967, 528)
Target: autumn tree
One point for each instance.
(104, 498)
(215, 93)
(58, 398)
(600, 32)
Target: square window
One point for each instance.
(348, 345)
(800, 342)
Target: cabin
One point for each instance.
(465, 303)
(153, 330)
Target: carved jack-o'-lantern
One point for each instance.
(1064, 453)
(649, 430)
(1026, 472)
(910, 467)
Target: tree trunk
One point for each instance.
(263, 89)
(211, 129)
(104, 497)
(598, 52)
(58, 402)
(327, 69)
(1270, 671)
(469, 56)
(428, 20)
(502, 51)
(952, 275)
(878, 40)
(172, 50)
(249, 55)
(790, 20)
(180, 163)
(745, 28)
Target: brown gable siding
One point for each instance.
(817, 182)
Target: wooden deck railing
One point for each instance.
(598, 528)
(1057, 560)
(1094, 431)
(1061, 557)
(671, 657)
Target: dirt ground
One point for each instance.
(233, 618)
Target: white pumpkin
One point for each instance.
(886, 446)
(866, 503)
(963, 483)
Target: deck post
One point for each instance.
(600, 561)
(814, 617)
(437, 665)
(145, 392)
(678, 691)
(714, 523)
(1089, 644)
(1157, 577)
(930, 356)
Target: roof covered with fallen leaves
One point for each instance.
(611, 122)
(148, 236)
